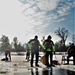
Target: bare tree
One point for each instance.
(4, 42)
(63, 34)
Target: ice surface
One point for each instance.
(19, 66)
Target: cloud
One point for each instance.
(64, 9)
(36, 10)
(59, 20)
(45, 12)
(61, 8)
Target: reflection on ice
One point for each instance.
(51, 71)
(36, 72)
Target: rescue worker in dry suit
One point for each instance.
(34, 46)
(49, 49)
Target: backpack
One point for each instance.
(48, 44)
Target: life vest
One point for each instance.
(49, 46)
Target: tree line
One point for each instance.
(15, 45)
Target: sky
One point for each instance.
(26, 18)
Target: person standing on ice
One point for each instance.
(34, 45)
(49, 49)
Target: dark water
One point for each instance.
(51, 71)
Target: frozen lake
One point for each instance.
(19, 66)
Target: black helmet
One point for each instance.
(36, 37)
(72, 44)
(49, 37)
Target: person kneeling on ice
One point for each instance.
(34, 46)
(49, 49)
(7, 55)
(71, 52)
